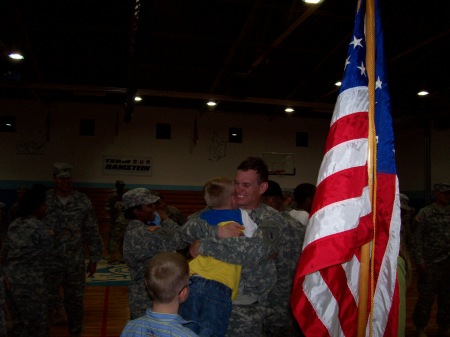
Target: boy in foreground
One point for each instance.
(167, 282)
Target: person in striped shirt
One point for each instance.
(167, 282)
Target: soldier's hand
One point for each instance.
(91, 268)
(193, 248)
(230, 230)
(163, 213)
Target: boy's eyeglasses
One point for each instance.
(187, 285)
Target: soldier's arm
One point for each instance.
(91, 234)
(197, 228)
(170, 237)
(169, 224)
(242, 250)
(417, 239)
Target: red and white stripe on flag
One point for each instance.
(325, 292)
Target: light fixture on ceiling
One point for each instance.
(289, 110)
(312, 1)
(138, 99)
(423, 93)
(16, 56)
(211, 105)
(338, 83)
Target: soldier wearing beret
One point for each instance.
(431, 251)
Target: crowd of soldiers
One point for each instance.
(54, 229)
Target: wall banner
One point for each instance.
(137, 166)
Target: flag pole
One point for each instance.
(371, 167)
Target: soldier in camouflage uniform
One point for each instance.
(254, 254)
(431, 251)
(117, 223)
(117, 234)
(73, 220)
(25, 253)
(142, 242)
(288, 199)
(292, 234)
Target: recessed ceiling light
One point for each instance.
(138, 99)
(289, 110)
(211, 103)
(338, 84)
(16, 56)
(312, 1)
(423, 93)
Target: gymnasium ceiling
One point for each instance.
(251, 56)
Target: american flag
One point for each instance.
(326, 287)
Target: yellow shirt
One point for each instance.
(212, 269)
(226, 273)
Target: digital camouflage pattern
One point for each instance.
(436, 281)
(431, 246)
(431, 234)
(255, 255)
(62, 170)
(281, 322)
(25, 252)
(118, 225)
(74, 225)
(176, 215)
(140, 244)
(139, 196)
(110, 206)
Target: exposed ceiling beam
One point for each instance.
(95, 90)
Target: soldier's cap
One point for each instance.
(138, 196)
(120, 182)
(274, 190)
(441, 187)
(62, 170)
(404, 202)
(288, 192)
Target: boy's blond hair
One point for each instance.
(166, 275)
(218, 192)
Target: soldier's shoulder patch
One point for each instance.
(271, 231)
